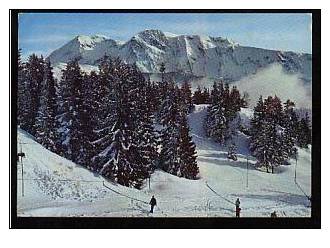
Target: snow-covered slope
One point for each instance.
(185, 56)
(54, 186)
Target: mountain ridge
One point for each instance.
(184, 56)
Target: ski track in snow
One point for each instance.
(63, 188)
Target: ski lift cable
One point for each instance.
(299, 187)
(117, 192)
(229, 200)
(295, 181)
(219, 194)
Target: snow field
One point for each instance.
(54, 186)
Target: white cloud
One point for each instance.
(273, 80)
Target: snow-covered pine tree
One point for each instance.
(226, 101)
(215, 123)
(264, 147)
(206, 96)
(146, 135)
(259, 115)
(187, 150)
(23, 98)
(88, 112)
(222, 120)
(104, 101)
(274, 153)
(46, 124)
(269, 140)
(169, 158)
(143, 144)
(153, 98)
(115, 158)
(34, 77)
(245, 100)
(274, 109)
(120, 156)
(216, 96)
(235, 100)
(198, 97)
(71, 112)
(187, 96)
(290, 125)
(163, 88)
(162, 70)
(304, 132)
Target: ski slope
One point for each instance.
(54, 186)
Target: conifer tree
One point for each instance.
(272, 139)
(46, 124)
(290, 125)
(146, 134)
(216, 96)
(206, 96)
(259, 115)
(198, 97)
(187, 96)
(72, 110)
(170, 133)
(123, 155)
(187, 151)
(114, 159)
(88, 118)
(153, 98)
(162, 70)
(235, 100)
(215, 123)
(245, 100)
(178, 155)
(34, 77)
(304, 132)
(23, 97)
(274, 109)
(104, 102)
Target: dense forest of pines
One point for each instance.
(105, 120)
(276, 130)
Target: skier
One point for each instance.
(273, 214)
(153, 203)
(238, 209)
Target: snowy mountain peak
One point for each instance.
(150, 32)
(186, 57)
(152, 37)
(89, 42)
(170, 35)
(224, 42)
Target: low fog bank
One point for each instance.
(273, 80)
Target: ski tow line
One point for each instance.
(219, 194)
(123, 194)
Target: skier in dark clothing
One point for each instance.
(238, 209)
(153, 203)
(273, 214)
(238, 212)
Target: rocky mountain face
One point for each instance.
(185, 56)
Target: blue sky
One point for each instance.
(43, 32)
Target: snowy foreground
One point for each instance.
(63, 188)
